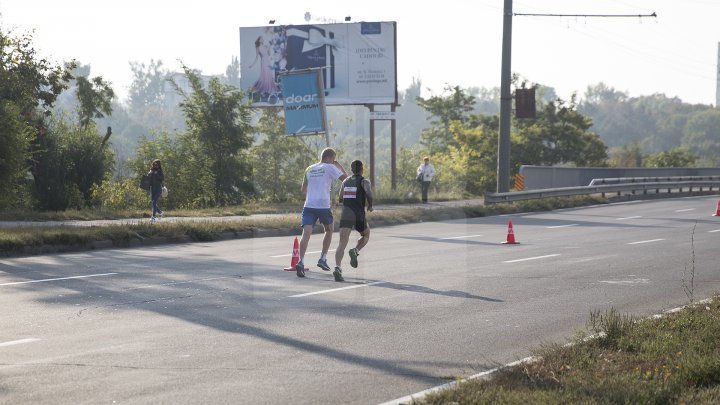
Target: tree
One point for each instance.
(279, 160)
(152, 103)
(29, 85)
(614, 117)
(71, 161)
(232, 73)
(678, 157)
(701, 135)
(218, 119)
(628, 155)
(148, 85)
(26, 80)
(454, 104)
(187, 172)
(655, 121)
(559, 135)
(15, 142)
(471, 165)
(95, 98)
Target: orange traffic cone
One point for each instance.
(717, 210)
(295, 256)
(510, 235)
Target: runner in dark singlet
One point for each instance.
(355, 192)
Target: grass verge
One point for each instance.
(99, 214)
(29, 240)
(673, 359)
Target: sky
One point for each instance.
(449, 42)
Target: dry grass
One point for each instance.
(674, 359)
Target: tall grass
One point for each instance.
(673, 359)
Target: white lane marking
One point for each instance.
(59, 278)
(531, 258)
(624, 218)
(18, 342)
(714, 230)
(561, 226)
(460, 237)
(307, 253)
(633, 281)
(685, 210)
(645, 241)
(337, 289)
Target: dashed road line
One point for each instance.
(531, 258)
(562, 226)
(685, 210)
(714, 230)
(307, 253)
(59, 278)
(336, 289)
(645, 241)
(624, 218)
(627, 282)
(18, 342)
(460, 237)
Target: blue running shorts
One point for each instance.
(311, 215)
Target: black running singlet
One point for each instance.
(354, 193)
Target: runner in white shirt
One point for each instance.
(317, 182)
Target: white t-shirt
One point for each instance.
(319, 178)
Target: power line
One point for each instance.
(584, 15)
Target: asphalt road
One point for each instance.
(223, 323)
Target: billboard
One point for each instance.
(358, 61)
(303, 102)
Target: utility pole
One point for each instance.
(503, 162)
(717, 81)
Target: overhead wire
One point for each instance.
(648, 51)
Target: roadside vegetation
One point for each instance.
(40, 239)
(69, 146)
(670, 359)
(71, 150)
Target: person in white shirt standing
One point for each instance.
(425, 173)
(316, 184)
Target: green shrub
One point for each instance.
(122, 194)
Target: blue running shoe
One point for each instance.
(322, 263)
(300, 269)
(338, 274)
(353, 257)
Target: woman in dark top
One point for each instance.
(156, 183)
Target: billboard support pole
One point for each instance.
(383, 116)
(393, 151)
(323, 108)
(371, 107)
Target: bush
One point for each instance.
(119, 195)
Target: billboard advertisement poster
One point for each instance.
(303, 102)
(358, 61)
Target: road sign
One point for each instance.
(382, 115)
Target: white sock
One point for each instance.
(324, 256)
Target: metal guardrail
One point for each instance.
(632, 188)
(620, 180)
